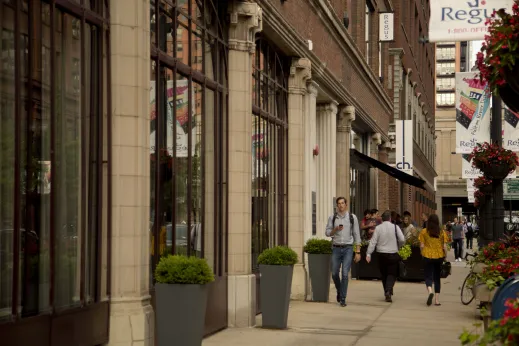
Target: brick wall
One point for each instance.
(302, 16)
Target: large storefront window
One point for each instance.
(269, 149)
(188, 144)
(52, 102)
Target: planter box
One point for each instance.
(478, 268)
(320, 276)
(363, 270)
(482, 293)
(180, 314)
(275, 288)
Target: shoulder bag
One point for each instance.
(446, 265)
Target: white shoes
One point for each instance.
(458, 260)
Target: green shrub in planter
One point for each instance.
(276, 267)
(177, 269)
(318, 246)
(278, 256)
(181, 293)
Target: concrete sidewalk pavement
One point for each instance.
(368, 319)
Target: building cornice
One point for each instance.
(273, 19)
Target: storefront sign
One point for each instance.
(470, 186)
(387, 26)
(404, 145)
(462, 20)
(511, 131)
(472, 112)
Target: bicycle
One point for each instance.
(467, 296)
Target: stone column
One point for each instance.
(376, 140)
(246, 21)
(300, 73)
(326, 174)
(344, 120)
(310, 138)
(131, 314)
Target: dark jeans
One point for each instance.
(341, 256)
(470, 242)
(388, 264)
(457, 244)
(432, 269)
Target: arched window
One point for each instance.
(269, 148)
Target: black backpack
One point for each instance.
(470, 229)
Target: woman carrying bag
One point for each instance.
(434, 249)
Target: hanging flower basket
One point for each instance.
(484, 185)
(494, 161)
(509, 97)
(498, 55)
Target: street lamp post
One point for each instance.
(498, 208)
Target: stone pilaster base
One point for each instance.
(299, 282)
(132, 322)
(242, 300)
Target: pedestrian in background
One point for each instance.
(387, 239)
(433, 244)
(469, 234)
(343, 228)
(457, 239)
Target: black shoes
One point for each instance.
(430, 299)
(388, 298)
(343, 304)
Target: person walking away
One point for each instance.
(470, 235)
(457, 239)
(433, 244)
(343, 228)
(387, 239)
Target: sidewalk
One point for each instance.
(368, 320)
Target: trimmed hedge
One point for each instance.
(178, 269)
(278, 256)
(318, 246)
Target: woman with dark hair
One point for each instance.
(433, 244)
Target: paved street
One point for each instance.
(368, 320)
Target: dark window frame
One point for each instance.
(89, 312)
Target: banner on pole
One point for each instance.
(472, 112)
(467, 171)
(470, 186)
(511, 130)
(462, 20)
(404, 145)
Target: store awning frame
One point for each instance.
(392, 171)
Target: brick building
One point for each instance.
(212, 128)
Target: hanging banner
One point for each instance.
(471, 198)
(462, 20)
(511, 130)
(472, 112)
(467, 171)
(404, 145)
(183, 125)
(470, 186)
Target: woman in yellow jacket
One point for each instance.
(433, 243)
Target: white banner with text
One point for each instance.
(404, 145)
(462, 20)
(511, 130)
(472, 112)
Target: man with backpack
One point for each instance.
(343, 228)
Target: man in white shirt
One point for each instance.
(387, 239)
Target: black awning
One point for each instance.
(395, 173)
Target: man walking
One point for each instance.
(469, 234)
(457, 239)
(387, 239)
(343, 227)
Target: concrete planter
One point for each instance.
(275, 288)
(320, 276)
(180, 314)
(478, 268)
(483, 293)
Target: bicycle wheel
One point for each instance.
(466, 293)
